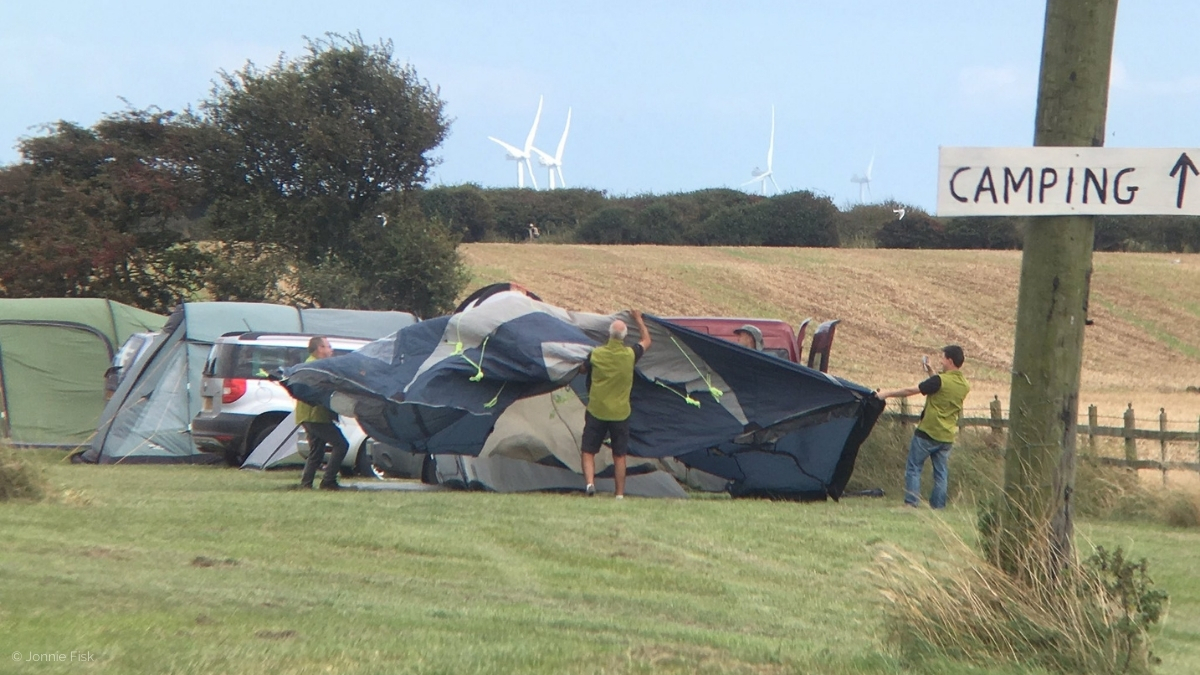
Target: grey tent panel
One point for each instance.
(353, 323)
(207, 321)
(279, 447)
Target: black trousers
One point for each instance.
(320, 436)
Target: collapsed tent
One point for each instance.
(768, 426)
(534, 447)
(149, 417)
(53, 354)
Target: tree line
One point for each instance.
(724, 217)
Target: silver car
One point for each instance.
(240, 405)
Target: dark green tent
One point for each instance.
(53, 354)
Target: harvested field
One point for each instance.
(895, 305)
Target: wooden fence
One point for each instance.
(1128, 431)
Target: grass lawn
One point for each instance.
(206, 570)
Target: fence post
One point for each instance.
(1093, 422)
(1162, 442)
(997, 419)
(1130, 443)
(904, 411)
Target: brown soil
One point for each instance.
(894, 306)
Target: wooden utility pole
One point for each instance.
(1056, 265)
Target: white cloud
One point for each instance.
(1122, 79)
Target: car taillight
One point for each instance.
(232, 389)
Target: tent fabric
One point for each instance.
(148, 419)
(501, 474)
(53, 354)
(278, 448)
(534, 447)
(770, 427)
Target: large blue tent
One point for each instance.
(768, 426)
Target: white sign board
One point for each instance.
(1050, 181)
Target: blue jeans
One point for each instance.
(919, 450)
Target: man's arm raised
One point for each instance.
(641, 326)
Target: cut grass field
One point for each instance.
(207, 570)
(1144, 347)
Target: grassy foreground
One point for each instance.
(204, 570)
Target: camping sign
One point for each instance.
(1056, 181)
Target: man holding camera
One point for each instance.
(944, 393)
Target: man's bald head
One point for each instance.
(618, 330)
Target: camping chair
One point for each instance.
(822, 342)
(800, 339)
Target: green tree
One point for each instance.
(982, 232)
(792, 219)
(859, 226)
(693, 208)
(607, 226)
(309, 147)
(402, 261)
(913, 231)
(553, 211)
(796, 219)
(310, 158)
(462, 208)
(103, 212)
(726, 227)
(658, 223)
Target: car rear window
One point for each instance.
(254, 362)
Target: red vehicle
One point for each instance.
(778, 337)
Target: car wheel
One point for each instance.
(365, 466)
(259, 437)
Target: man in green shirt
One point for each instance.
(610, 381)
(321, 431)
(944, 395)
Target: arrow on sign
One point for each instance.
(1182, 167)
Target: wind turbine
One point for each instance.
(761, 176)
(521, 155)
(864, 182)
(554, 163)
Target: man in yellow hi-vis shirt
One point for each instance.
(944, 394)
(610, 380)
(321, 431)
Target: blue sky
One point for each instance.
(666, 96)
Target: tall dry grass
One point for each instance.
(1089, 618)
(20, 478)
